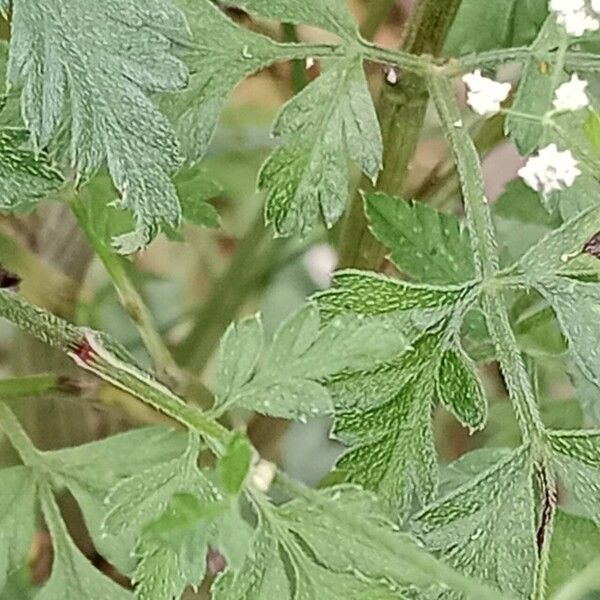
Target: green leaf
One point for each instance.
(73, 577)
(138, 499)
(536, 89)
(17, 519)
(494, 24)
(308, 175)
(303, 354)
(390, 438)
(195, 188)
(220, 55)
(460, 389)
(575, 543)
(92, 470)
(486, 527)
(554, 253)
(577, 307)
(105, 58)
(577, 461)
(292, 558)
(331, 15)
(25, 177)
(426, 244)
(463, 470)
(521, 221)
(391, 445)
(234, 464)
(370, 294)
(239, 353)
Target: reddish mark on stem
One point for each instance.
(84, 351)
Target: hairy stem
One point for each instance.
(130, 298)
(401, 112)
(483, 241)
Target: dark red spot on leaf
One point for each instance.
(592, 247)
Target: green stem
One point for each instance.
(401, 112)
(33, 385)
(129, 296)
(485, 251)
(97, 354)
(299, 78)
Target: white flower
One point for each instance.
(550, 170)
(262, 474)
(309, 63)
(574, 16)
(485, 95)
(571, 95)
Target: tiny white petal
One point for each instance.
(392, 76)
(310, 62)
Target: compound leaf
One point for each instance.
(292, 558)
(332, 117)
(486, 528)
(303, 354)
(88, 71)
(391, 446)
(92, 470)
(220, 55)
(426, 244)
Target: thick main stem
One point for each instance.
(401, 112)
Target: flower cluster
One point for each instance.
(575, 16)
(485, 95)
(550, 170)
